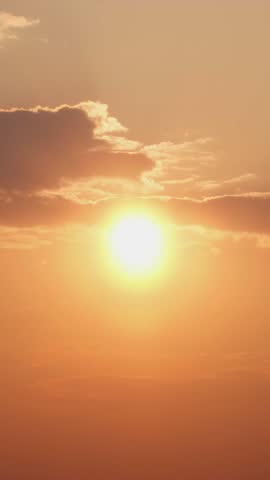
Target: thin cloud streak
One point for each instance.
(11, 25)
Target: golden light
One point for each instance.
(137, 243)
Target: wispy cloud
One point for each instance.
(12, 238)
(11, 25)
(172, 159)
(236, 183)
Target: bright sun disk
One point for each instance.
(137, 243)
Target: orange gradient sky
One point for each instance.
(119, 361)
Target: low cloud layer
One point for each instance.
(42, 147)
(246, 213)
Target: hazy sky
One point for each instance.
(106, 107)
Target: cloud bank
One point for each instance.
(49, 156)
(41, 147)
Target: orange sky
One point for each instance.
(115, 106)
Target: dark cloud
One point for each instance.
(240, 213)
(28, 211)
(41, 147)
(249, 213)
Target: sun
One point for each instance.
(137, 243)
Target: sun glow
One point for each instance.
(137, 243)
